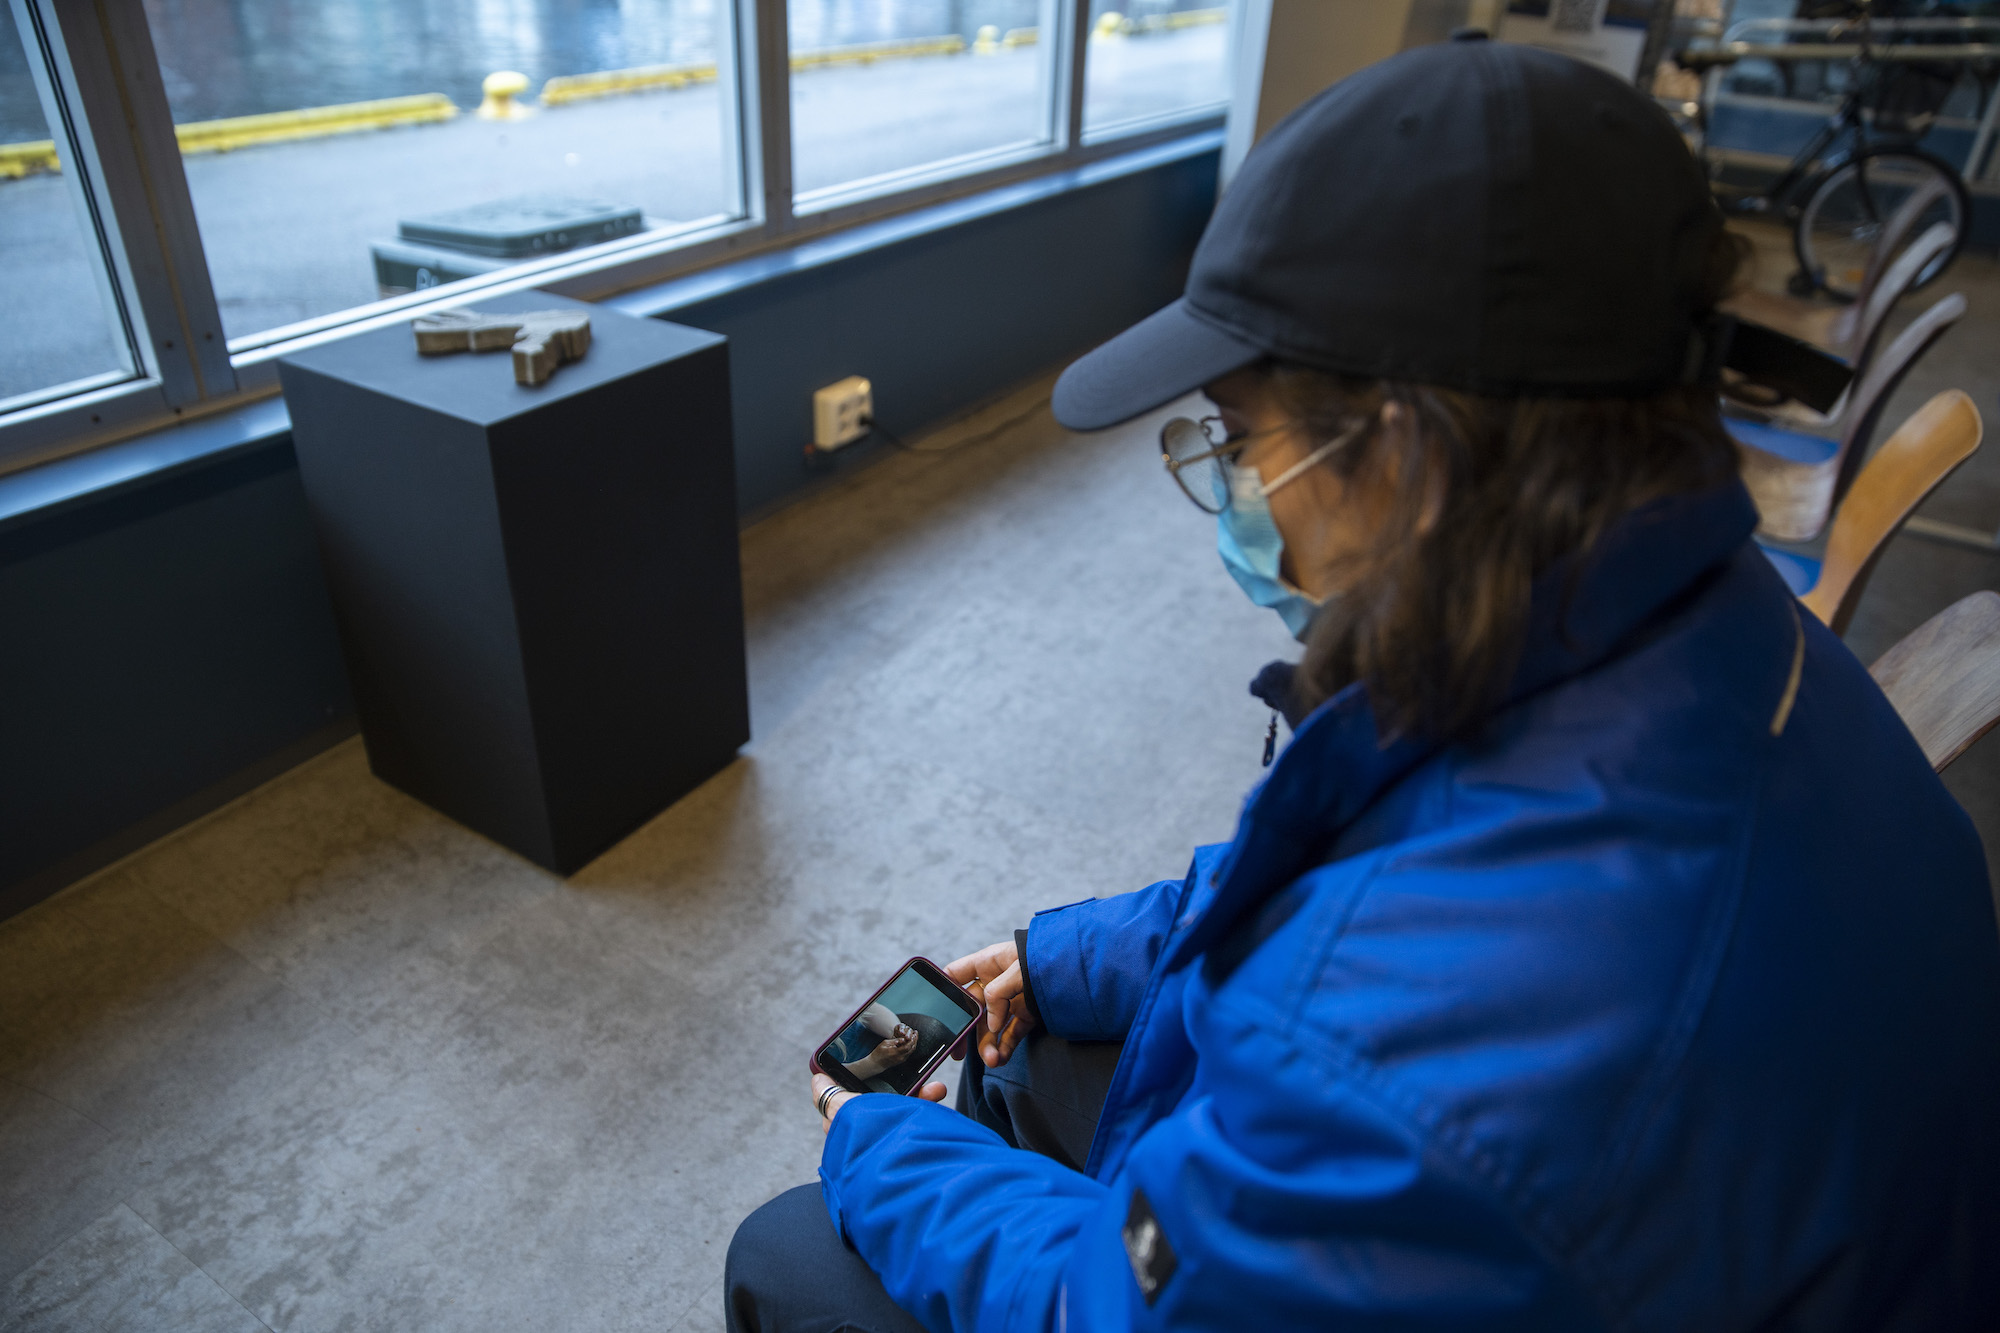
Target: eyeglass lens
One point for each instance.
(1205, 479)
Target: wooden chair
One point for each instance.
(1835, 327)
(1926, 449)
(1944, 678)
(1797, 478)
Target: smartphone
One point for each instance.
(901, 1033)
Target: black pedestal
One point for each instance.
(537, 589)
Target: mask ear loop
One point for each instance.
(1285, 478)
(1317, 456)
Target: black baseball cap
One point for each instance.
(1471, 214)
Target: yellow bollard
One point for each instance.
(501, 88)
(1110, 24)
(987, 43)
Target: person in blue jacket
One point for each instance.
(1600, 953)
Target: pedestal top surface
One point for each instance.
(479, 386)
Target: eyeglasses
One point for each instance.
(1204, 467)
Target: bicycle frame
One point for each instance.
(1813, 160)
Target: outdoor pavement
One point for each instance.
(287, 226)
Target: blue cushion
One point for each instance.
(1799, 572)
(1793, 444)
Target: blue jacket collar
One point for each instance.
(1337, 765)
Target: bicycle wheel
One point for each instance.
(1848, 207)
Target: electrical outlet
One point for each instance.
(841, 412)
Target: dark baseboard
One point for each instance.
(24, 893)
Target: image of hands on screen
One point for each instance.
(887, 1046)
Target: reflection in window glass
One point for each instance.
(63, 327)
(882, 86)
(332, 196)
(1152, 58)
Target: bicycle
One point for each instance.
(1862, 173)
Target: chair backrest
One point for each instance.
(1926, 449)
(1879, 384)
(1929, 189)
(1944, 678)
(1897, 279)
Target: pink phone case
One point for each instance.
(956, 1044)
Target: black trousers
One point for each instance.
(788, 1271)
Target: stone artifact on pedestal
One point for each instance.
(541, 339)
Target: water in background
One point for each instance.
(239, 57)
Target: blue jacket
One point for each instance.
(1669, 1000)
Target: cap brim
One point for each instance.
(1169, 353)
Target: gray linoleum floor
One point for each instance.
(326, 1061)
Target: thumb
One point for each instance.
(932, 1092)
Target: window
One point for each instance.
(190, 187)
(1151, 59)
(68, 333)
(887, 89)
(338, 151)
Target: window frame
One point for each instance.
(99, 55)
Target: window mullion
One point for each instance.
(101, 55)
(766, 108)
(1072, 53)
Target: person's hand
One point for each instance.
(888, 1053)
(898, 1047)
(839, 1097)
(994, 976)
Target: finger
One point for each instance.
(932, 1092)
(1000, 995)
(1017, 1032)
(974, 966)
(989, 1051)
(1006, 982)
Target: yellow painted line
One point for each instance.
(1124, 27)
(313, 122)
(567, 88)
(1186, 18)
(25, 159)
(867, 53)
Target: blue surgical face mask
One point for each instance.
(1252, 549)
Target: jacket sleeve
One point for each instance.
(1294, 1202)
(1088, 963)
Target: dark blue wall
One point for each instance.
(165, 638)
(163, 651)
(945, 317)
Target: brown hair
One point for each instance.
(1488, 494)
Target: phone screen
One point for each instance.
(901, 1034)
